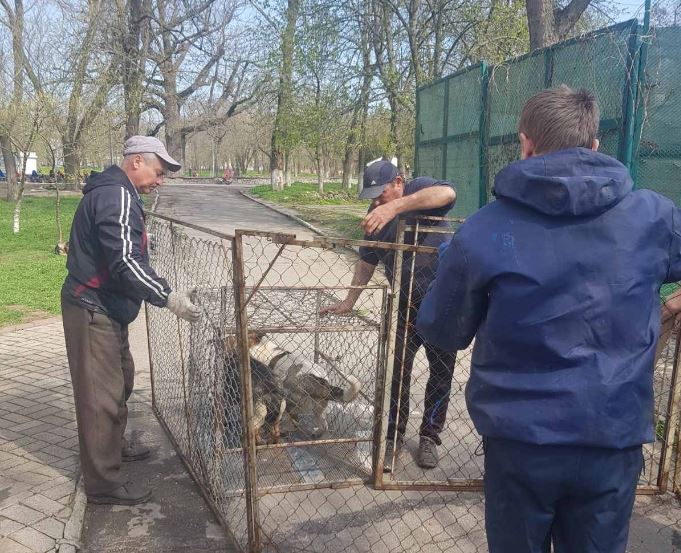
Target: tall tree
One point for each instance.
(188, 49)
(93, 74)
(15, 23)
(284, 97)
(133, 39)
(549, 23)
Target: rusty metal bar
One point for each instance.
(383, 395)
(333, 485)
(318, 305)
(472, 485)
(217, 234)
(249, 445)
(330, 441)
(672, 419)
(151, 361)
(405, 336)
(309, 329)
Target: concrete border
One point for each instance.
(283, 211)
(73, 530)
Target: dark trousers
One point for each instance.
(578, 498)
(438, 388)
(102, 375)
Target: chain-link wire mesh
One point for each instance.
(658, 160)
(467, 123)
(282, 411)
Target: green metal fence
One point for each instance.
(466, 127)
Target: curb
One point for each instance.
(282, 211)
(288, 213)
(73, 530)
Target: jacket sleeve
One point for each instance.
(122, 237)
(455, 304)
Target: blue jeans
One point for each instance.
(578, 498)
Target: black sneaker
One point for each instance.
(427, 457)
(393, 448)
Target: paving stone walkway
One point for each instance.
(38, 438)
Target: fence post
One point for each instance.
(249, 446)
(672, 419)
(445, 126)
(483, 135)
(631, 107)
(417, 134)
(383, 398)
(640, 93)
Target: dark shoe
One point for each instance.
(427, 457)
(127, 494)
(393, 448)
(134, 452)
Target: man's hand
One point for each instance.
(378, 218)
(338, 308)
(181, 304)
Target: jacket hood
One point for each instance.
(112, 176)
(574, 182)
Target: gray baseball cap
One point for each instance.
(150, 145)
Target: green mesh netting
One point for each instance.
(453, 112)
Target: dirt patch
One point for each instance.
(27, 314)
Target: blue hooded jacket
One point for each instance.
(559, 281)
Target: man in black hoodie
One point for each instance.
(108, 278)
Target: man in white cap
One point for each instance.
(108, 278)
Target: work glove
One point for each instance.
(181, 304)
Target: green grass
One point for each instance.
(31, 274)
(306, 194)
(337, 211)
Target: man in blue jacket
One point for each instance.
(558, 280)
(108, 278)
(420, 197)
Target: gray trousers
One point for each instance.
(102, 375)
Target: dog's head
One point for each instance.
(254, 338)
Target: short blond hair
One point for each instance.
(560, 118)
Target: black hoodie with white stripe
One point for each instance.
(108, 261)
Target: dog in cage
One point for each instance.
(269, 403)
(305, 385)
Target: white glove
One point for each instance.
(181, 304)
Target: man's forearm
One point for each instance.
(363, 273)
(430, 198)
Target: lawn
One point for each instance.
(338, 212)
(31, 274)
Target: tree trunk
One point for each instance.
(540, 23)
(320, 175)
(72, 165)
(361, 160)
(284, 99)
(16, 221)
(287, 170)
(10, 167)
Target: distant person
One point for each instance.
(558, 280)
(392, 196)
(108, 278)
(34, 176)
